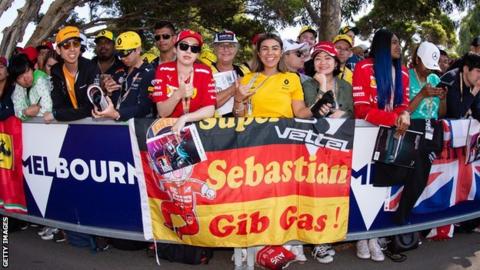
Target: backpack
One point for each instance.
(403, 242)
(123, 244)
(184, 253)
(94, 243)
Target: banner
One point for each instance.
(82, 174)
(12, 196)
(265, 181)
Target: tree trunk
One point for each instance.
(330, 19)
(14, 33)
(4, 5)
(56, 15)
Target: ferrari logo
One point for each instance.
(6, 151)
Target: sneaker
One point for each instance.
(375, 250)
(49, 234)
(297, 250)
(59, 236)
(42, 231)
(362, 249)
(320, 253)
(244, 255)
(330, 249)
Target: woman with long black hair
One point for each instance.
(380, 96)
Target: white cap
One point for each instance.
(429, 54)
(225, 36)
(291, 45)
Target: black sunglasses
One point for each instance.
(193, 48)
(299, 54)
(125, 53)
(162, 36)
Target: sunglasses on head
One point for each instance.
(125, 53)
(193, 48)
(162, 36)
(68, 44)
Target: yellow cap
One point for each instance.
(67, 32)
(346, 38)
(149, 57)
(105, 34)
(307, 28)
(207, 56)
(128, 40)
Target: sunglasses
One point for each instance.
(68, 45)
(193, 48)
(299, 54)
(162, 36)
(125, 53)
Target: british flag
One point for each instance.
(451, 180)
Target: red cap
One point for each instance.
(189, 33)
(324, 46)
(45, 45)
(255, 38)
(3, 61)
(31, 54)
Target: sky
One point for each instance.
(289, 32)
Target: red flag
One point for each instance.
(12, 196)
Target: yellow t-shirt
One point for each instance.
(274, 94)
(346, 74)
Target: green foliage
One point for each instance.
(469, 29)
(414, 20)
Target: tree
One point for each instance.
(56, 15)
(469, 29)
(412, 20)
(4, 5)
(14, 33)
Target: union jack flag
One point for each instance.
(450, 182)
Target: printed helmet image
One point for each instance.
(179, 175)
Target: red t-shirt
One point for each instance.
(166, 81)
(365, 95)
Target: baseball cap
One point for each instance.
(430, 54)
(291, 45)
(46, 44)
(324, 46)
(189, 33)
(104, 34)
(66, 33)
(343, 37)
(225, 36)
(3, 61)
(128, 40)
(31, 54)
(255, 38)
(307, 28)
(344, 30)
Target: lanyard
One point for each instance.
(123, 96)
(251, 82)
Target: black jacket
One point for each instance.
(134, 94)
(88, 73)
(458, 105)
(6, 104)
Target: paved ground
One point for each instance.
(28, 251)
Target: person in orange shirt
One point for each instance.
(71, 78)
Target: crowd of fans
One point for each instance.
(284, 78)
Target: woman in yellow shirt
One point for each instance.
(271, 91)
